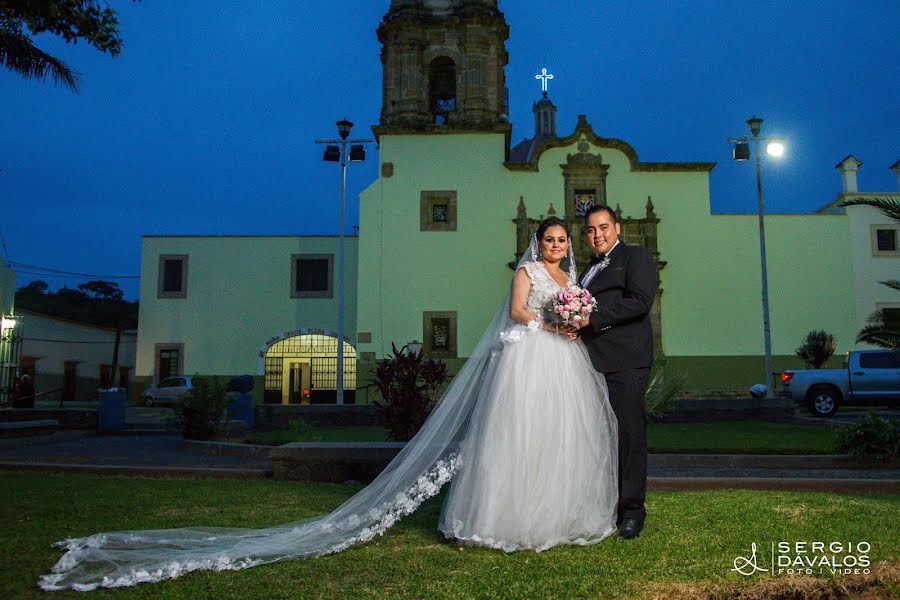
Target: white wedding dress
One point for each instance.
(524, 430)
(538, 464)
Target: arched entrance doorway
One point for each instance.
(302, 369)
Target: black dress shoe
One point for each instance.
(630, 528)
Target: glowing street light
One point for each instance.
(741, 152)
(336, 151)
(775, 149)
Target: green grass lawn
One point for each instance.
(750, 437)
(692, 538)
(745, 437)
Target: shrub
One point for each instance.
(662, 387)
(202, 409)
(872, 436)
(303, 431)
(409, 387)
(816, 349)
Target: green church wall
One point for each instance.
(711, 301)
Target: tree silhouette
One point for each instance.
(88, 20)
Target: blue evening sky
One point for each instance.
(205, 123)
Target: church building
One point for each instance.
(451, 211)
(455, 204)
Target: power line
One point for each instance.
(16, 264)
(52, 276)
(77, 341)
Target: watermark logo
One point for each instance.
(748, 566)
(807, 558)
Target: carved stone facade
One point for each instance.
(443, 67)
(585, 177)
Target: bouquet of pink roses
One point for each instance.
(573, 305)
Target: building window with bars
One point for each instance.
(105, 377)
(439, 328)
(312, 275)
(437, 210)
(169, 360)
(172, 280)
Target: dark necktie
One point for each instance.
(598, 259)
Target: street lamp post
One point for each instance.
(741, 152)
(336, 151)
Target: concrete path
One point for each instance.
(137, 454)
(170, 455)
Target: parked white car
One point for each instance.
(167, 391)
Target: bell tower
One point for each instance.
(443, 64)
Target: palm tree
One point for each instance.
(889, 207)
(18, 54)
(92, 21)
(878, 331)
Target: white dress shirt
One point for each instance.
(594, 269)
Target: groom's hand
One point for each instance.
(570, 331)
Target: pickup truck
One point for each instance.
(869, 377)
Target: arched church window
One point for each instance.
(442, 88)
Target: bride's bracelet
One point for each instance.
(534, 324)
(539, 323)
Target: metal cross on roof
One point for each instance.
(544, 76)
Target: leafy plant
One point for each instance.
(872, 436)
(409, 386)
(878, 331)
(662, 387)
(303, 431)
(201, 413)
(816, 349)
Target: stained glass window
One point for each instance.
(584, 200)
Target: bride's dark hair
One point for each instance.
(551, 222)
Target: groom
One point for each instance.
(619, 341)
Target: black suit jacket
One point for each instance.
(619, 336)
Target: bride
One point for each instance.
(525, 431)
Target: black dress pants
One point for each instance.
(626, 396)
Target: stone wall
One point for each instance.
(727, 409)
